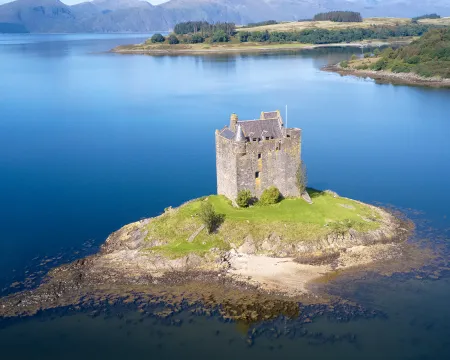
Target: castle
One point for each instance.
(256, 154)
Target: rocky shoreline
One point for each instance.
(124, 266)
(139, 49)
(387, 77)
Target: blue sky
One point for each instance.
(71, 2)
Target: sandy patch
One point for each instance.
(287, 276)
(274, 274)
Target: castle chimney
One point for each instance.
(233, 122)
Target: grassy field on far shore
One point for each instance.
(331, 25)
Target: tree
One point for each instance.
(380, 65)
(209, 217)
(354, 57)
(265, 36)
(173, 40)
(157, 38)
(243, 36)
(270, 196)
(301, 178)
(220, 36)
(244, 198)
(196, 39)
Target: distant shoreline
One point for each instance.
(205, 49)
(388, 77)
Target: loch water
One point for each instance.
(90, 141)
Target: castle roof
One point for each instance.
(269, 126)
(227, 134)
(262, 129)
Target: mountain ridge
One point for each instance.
(45, 16)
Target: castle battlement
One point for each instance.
(256, 154)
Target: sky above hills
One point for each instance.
(72, 2)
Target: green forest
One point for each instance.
(199, 32)
(428, 56)
(261, 23)
(427, 16)
(204, 28)
(339, 16)
(325, 36)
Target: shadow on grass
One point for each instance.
(314, 193)
(217, 221)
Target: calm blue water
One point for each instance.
(90, 141)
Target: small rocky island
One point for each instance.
(263, 235)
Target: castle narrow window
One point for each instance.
(257, 175)
(254, 139)
(267, 138)
(259, 156)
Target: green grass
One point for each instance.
(293, 220)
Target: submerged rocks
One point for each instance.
(128, 261)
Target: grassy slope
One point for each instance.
(427, 56)
(369, 22)
(292, 219)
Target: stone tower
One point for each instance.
(256, 154)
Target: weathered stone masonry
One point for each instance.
(256, 154)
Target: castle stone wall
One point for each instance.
(226, 167)
(277, 162)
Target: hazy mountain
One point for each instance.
(141, 16)
(120, 16)
(40, 15)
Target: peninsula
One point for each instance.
(331, 29)
(263, 234)
(425, 62)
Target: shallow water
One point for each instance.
(90, 141)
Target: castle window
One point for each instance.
(254, 139)
(259, 156)
(267, 138)
(288, 135)
(278, 146)
(257, 175)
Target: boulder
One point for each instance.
(248, 247)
